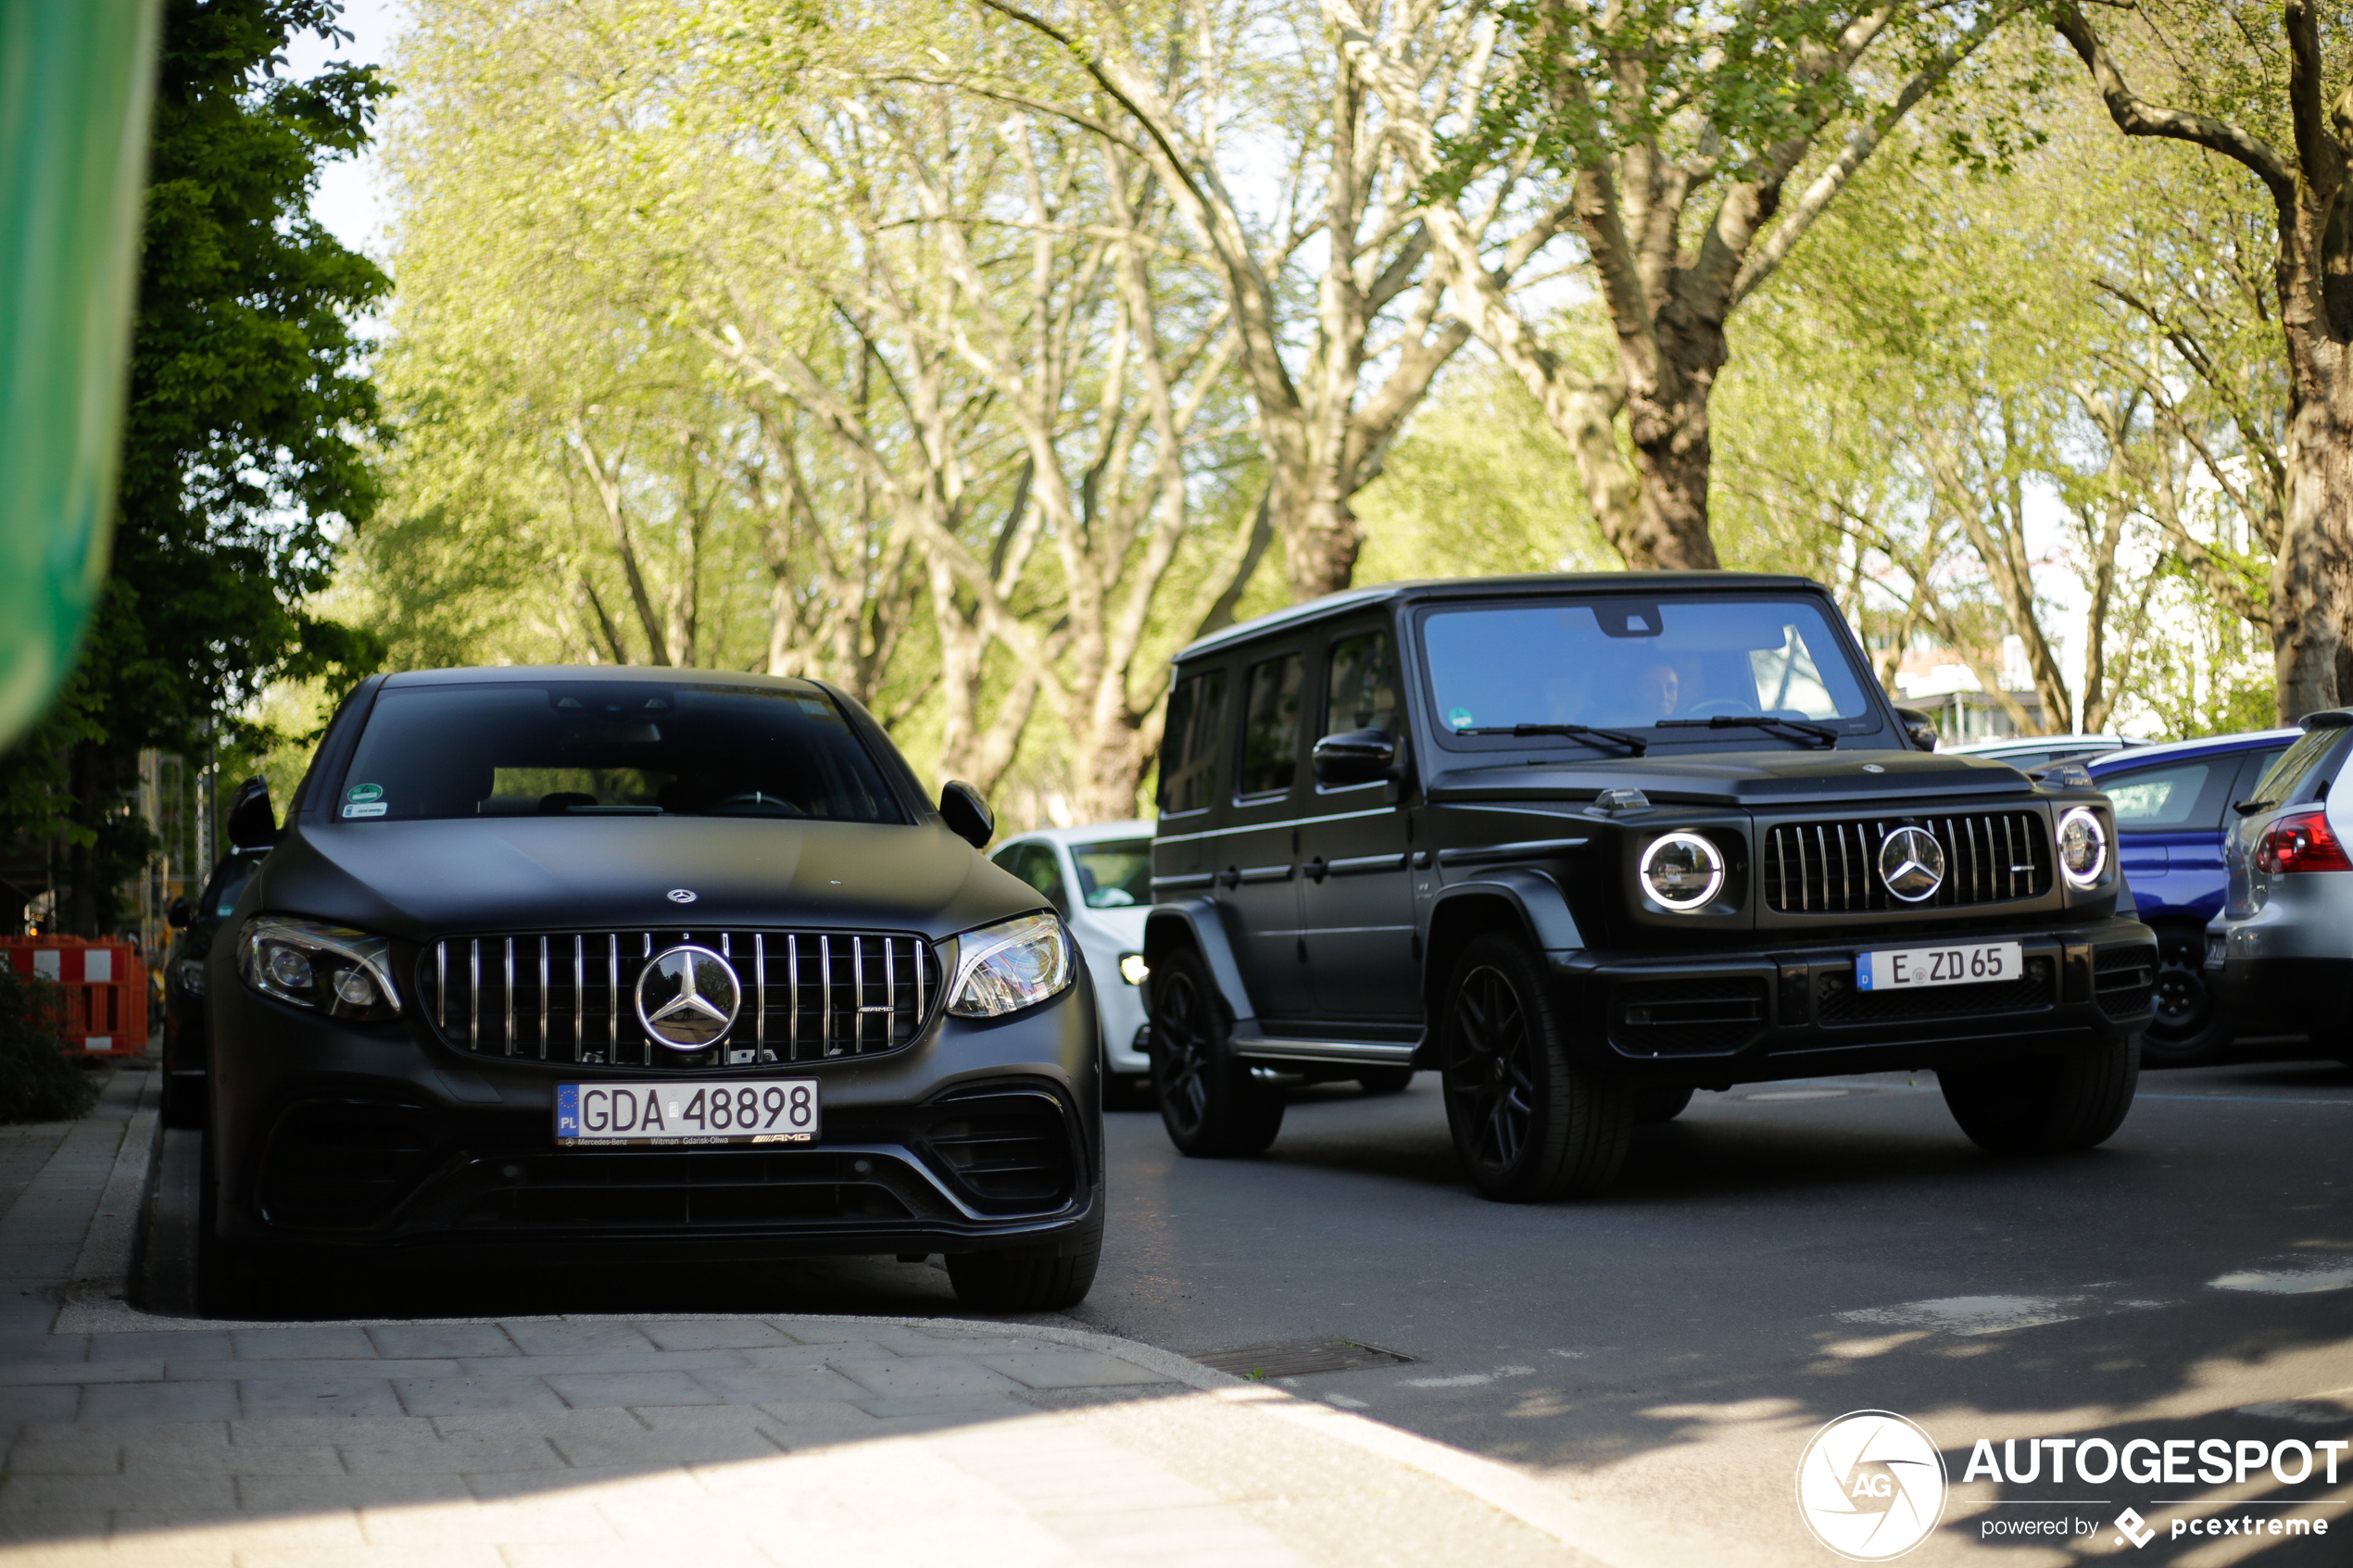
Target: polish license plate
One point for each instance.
(1962, 963)
(680, 1115)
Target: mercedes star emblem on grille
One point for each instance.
(688, 997)
(682, 895)
(1912, 863)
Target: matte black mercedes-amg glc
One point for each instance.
(620, 962)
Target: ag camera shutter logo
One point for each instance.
(1870, 1486)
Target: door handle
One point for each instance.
(1316, 869)
(1228, 877)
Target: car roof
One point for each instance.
(1087, 833)
(2204, 746)
(1489, 587)
(663, 675)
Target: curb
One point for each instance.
(102, 1267)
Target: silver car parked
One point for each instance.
(1099, 878)
(2285, 939)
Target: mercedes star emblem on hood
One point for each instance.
(1912, 864)
(688, 997)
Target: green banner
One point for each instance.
(76, 79)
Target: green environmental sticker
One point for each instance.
(364, 792)
(1460, 719)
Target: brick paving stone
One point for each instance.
(717, 1334)
(457, 1396)
(643, 1359)
(18, 1347)
(594, 1390)
(573, 1337)
(1070, 1369)
(752, 1385)
(266, 1398)
(303, 1344)
(924, 1378)
(160, 1402)
(448, 1340)
(314, 1494)
(65, 1450)
(181, 1345)
(328, 1431)
(460, 1455)
(27, 1374)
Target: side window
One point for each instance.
(1270, 727)
(2170, 799)
(1188, 746)
(2251, 774)
(1360, 685)
(1041, 868)
(2304, 768)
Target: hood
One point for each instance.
(1762, 780)
(1123, 922)
(423, 879)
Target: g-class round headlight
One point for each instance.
(341, 972)
(1008, 966)
(2083, 846)
(1682, 871)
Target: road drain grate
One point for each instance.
(1295, 1358)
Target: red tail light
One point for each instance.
(2302, 843)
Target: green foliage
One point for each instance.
(39, 1080)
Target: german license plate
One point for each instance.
(1963, 964)
(679, 1115)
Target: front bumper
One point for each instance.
(1746, 1017)
(979, 1135)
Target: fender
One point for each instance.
(1542, 907)
(1196, 921)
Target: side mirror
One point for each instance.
(1919, 727)
(1354, 757)
(252, 823)
(181, 914)
(968, 815)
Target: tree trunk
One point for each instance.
(2312, 577)
(1674, 444)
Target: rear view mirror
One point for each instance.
(1918, 727)
(252, 823)
(181, 914)
(1354, 757)
(968, 815)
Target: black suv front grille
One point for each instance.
(2124, 979)
(1833, 867)
(569, 996)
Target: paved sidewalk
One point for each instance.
(579, 1441)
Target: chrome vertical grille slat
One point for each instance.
(1990, 856)
(837, 995)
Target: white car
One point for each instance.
(1099, 878)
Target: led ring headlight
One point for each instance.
(2082, 847)
(1682, 871)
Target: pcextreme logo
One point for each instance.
(1870, 1486)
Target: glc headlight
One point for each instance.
(191, 977)
(342, 972)
(1682, 871)
(1008, 966)
(2083, 846)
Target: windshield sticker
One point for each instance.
(366, 809)
(1461, 718)
(363, 793)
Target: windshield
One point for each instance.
(1622, 663)
(1114, 875)
(611, 748)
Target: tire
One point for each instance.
(184, 1108)
(2190, 1026)
(1654, 1106)
(1211, 1105)
(235, 1278)
(1385, 1080)
(1045, 1278)
(1529, 1124)
(2058, 1104)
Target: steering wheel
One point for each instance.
(754, 797)
(1710, 708)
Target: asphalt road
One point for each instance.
(1780, 1256)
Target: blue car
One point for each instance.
(2173, 805)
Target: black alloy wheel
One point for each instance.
(1529, 1124)
(1209, 1102)
(2190, 1026)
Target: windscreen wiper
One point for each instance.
(1794, 728)
(1634, 746)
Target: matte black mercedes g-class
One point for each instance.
(1585, 844)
